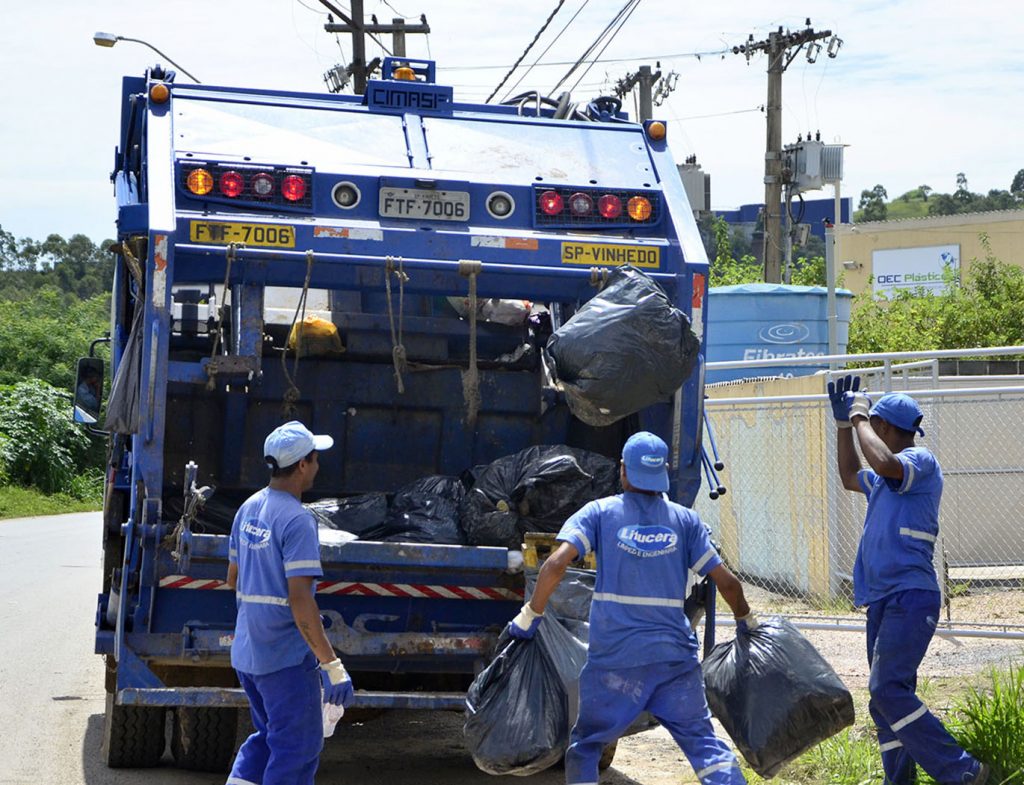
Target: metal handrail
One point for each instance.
(885, 357)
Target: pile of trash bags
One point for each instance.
(775, 695)
(630, 331)
(536, 489)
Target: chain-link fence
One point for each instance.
(791, 531)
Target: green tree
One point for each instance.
(726, 270)
(1017, 186)
(872, 204)
(925, 190)
(39, 444)
(42, 336)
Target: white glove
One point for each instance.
(336, 683)
(860, 407)
(524, 626)
(747, 623)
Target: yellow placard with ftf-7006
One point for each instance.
(597, 254)
(224, 232)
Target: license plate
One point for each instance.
(424, 204)
(597, 254)
(221, 233)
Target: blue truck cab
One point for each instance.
(237, 205)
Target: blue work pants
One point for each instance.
(610, 700)
(900, 627)
(287, 713)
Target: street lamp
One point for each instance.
(109, 39)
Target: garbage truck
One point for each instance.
(393, 218)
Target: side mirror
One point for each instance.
(88, 390)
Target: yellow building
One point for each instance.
(912, 252)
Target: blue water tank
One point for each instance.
(760, 321)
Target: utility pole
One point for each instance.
(355, 25)
(645, 79)
(781, 48)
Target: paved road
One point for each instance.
(52, 698)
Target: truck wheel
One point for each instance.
(607, 756)
(203, 738)
(133, 736)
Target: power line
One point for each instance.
(611, 38)
(675, 55)
(527, 50)
(547, 49)
(597, 42)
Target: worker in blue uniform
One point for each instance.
(642, 654)
(283, 659)
(895, 578)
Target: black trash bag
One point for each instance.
(628, 347)
(570, 603)
(775, 695)
(361, 515)
(216, 516)
(521, 708)
(535, 489)
(426, 511)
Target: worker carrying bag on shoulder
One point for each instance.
(775, 695)
(628, 347)
(521, 708)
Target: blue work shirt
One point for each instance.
(645, 548)
(273, 538)
(902, 524)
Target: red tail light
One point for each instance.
(293, 188)
(551, 203)
(609, 206)
(232, 184)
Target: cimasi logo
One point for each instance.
(647, 541)
(254, 535)
(652, 461)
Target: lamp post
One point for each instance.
(109, 39)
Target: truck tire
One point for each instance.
(607, 756)
(203, 739)
(133, 736)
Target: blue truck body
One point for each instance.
(408, 198)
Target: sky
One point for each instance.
(920, 89)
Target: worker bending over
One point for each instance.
(642, 654)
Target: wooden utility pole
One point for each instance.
(781, 48)
(645, 79)
(355, 25)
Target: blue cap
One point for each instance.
(646, 459)
(290, 443)
(901, 410)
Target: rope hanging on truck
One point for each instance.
(292, 394)
(211, 367)
(471, 376)
(398, 356)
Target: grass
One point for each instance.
(18, 502)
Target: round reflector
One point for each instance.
(500, 205)
(232, 184)
(345, 195)
(580, 204)
(551, 203)
(262, 184)
(404, 73)
(609, 206)
(199, 182)
(639, 208)
(293, 188)
(159, 93)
